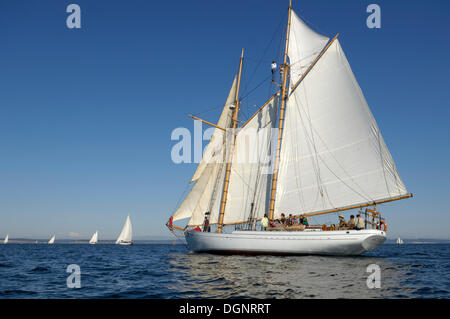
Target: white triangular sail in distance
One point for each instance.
(399, 241)
(126, 233)
(6, 239)
(209, 176)
(94, 239)
(52, 240)
(304, 47)
(332, 153)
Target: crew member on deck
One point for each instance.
(360, 222)
(206, 227)
(342, 223)
(352, 222)
(264, 223)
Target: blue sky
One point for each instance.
(86, 114)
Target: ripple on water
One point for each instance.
(167, 271)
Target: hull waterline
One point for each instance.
(338, 243)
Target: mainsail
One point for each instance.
(333, 154)
(126, 233)
(94, 239)
(52, 240)
(6, 239)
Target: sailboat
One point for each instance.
(94, 239)
(328, 157)
(6, 239)
(399, 241)
(125, 237)
(52, 240)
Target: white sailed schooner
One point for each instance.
(329, 157)
(52, 240)
(125, 237)
(399, 241)
(94, 239)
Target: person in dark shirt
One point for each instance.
(283, 219)
(206, 227)
(303, 220)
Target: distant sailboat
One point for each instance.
(52, 240)
(94, 239)
(6, 239)
(399, 241)
(125, 237)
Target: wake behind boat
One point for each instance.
(329, 157)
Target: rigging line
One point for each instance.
(366, 196)
(261, 83)
(177, 205)
(267, 48)
(311, 24)
(382, 161)
(314, 146)
(319, 157)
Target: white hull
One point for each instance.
(125, 243)
(339, 243)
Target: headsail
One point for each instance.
(333, 154)
(209, 175)
(213, 150)
(126, 233)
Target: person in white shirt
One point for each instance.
(264, 223)
(273, 67)
(360, 222)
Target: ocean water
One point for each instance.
(171, 271)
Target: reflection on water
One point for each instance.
(204, 275)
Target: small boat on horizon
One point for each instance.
(52, 240)
(399, 241)
(94, 239)
(6, 239)
(125, 237)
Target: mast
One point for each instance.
(231, 151)
(281, 119)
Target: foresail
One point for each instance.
(332, 154)
(209, 175)
(251, 167)
(213, 150)
(304, 46)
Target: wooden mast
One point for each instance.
(281, 119)
(231, 150)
